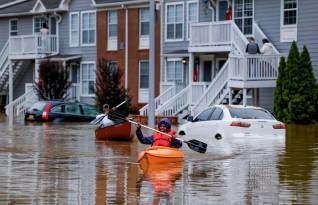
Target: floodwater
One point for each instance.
(63, 164)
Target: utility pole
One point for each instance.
(151, 98)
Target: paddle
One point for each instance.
(101, 117)
(193, 144)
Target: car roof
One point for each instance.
(239, 106)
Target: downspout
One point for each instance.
(162, 77)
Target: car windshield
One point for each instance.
(250, 113)
(38, 106)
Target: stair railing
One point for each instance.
(3, 58)
(22, 103)
(259, 35)
(238, 38)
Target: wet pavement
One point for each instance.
(63, 164)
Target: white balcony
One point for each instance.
(33, 46)
(216, 37)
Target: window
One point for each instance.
(73, 109)
(174, 70)
(112, 30)
(144, 28)
(217, 114)
(243, 15)
(74, 29)
(250, 113)
(13, 27)
(204, 115)
(88, 78)
(192, 15)
(90, 110)
(174, 21)
(88, 28)
(144, 74)
(57, 109)
(38, 23)
(290, 12)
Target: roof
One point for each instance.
(24, 7)
(65, 57)
(102, 3)
(110, 1)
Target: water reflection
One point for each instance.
(297, 166)
(162, 178)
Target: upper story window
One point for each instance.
(243, 15)
(144, 28)
(174, 21)
(88, 28)
(38, 23)
(74, 29)
(192, 15)
(13, 27)
(290, 12)
(112, 30)
(88, 78)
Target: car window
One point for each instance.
(73, 109)
(57, 109)
(204, 115)
(217, 114)
(90, 110)
(38, 106)
(250, 113)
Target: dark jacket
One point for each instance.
(252, 48)
(149, 140)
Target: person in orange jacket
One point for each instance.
(158, 139)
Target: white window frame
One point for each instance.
(288, 33)
(81, 30)
(33, 24)
(196, 21)
(143, 39)
(142, 92)
(81, 78)
(112, 42)
(10, 20)
(166, 68)
(78, 29)
(244, 17)
(166, 21)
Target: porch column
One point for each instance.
(191, 57)
(244, 96)
(10, 93)
(151, 94)
(36, 70)
(230, 96)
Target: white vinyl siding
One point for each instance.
(112, 30)
(74, 29)
(192, 15)
(288, 28)
(243, 15)
(88, 28)
(174, 21)
(143, 81)
(144, 28)
(88, 78)
(13, 26)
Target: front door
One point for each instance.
(207, 71)
(222, 7)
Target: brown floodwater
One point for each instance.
(63, 164)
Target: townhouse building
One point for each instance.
(203, 55)
(123, 40)
(71, 40)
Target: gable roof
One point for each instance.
(24, 7)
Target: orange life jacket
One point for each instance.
(161, 139)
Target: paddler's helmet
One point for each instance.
(166, 123)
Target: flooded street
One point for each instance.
(63, 164)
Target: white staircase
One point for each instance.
(4, 63)
(22, 103)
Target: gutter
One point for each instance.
(123, 3)
(12, 3)
(126, 47)
(31, 13)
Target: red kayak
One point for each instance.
(122, 131)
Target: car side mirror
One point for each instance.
(190, 118)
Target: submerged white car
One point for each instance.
(227, 122)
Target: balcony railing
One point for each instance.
(36, 44)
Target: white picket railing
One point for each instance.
(4, 58)
(33, 44)
(74, 92)
(216, 34)
(254, 67)
(212, 93)
(159, 100)
(22, 103)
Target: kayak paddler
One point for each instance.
(158, 139)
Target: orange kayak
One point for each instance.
(159, 154)
(121, 131)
